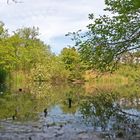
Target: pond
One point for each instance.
(41, 111)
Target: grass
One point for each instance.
(104, 82)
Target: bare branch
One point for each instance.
(135, 35)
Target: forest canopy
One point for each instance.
(23, 53)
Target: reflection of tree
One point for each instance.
(104, 112)
(69, 108)
(23, 105)
(72, 94)
(130, 96)
(27, 105)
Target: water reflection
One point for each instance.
(115, 113)
(23, 105)
(106, 113)
(2, 88)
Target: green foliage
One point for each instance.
(111, 36)
(130, 72)
(71, 59)
(58, 72)
(122, 6)
(3, 31)
(25, 52)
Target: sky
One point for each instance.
(55, 18)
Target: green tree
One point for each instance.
(3, 31)
(24, 52)
(3, 50)
(71, 59)
(33, 50)
(109, 36)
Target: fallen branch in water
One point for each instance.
(126, 113)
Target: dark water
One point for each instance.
(44, 111)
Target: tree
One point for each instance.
(3, 50)
(3, 31)
(71, 59)
(109, 36)
(25, 55)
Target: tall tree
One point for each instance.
(110, 36)
(71, 59)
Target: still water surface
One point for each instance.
(44, 111)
